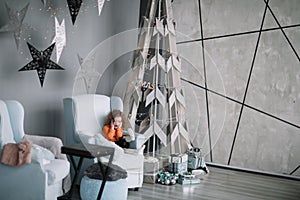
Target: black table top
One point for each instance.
(87, 150)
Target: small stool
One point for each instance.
(113, 190)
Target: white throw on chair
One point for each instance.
(85, 117)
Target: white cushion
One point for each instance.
(41, 155)
(55, 175)
(93, 112)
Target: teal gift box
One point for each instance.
(178, 163)
(195, 159)
(187, 178)
(195, 162)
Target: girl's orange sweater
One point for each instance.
(112, 134)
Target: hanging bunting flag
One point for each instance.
(184, 133)
(174, 134)
(41, 62)
(179, 129)
(100, 6)
(171, 28)
(166, 30)
(169, 63)
(74, 7)
(59, 38)
(155, 130)
(176, 62)
(153, 62)
(180, 97)
(159, 26)
(156, 94)
(15, 22)
(161, 61)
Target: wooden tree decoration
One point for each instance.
(154, 98)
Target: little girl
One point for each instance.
(113, 131)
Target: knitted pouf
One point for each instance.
(113, 190)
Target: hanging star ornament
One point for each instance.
(15, 22)
(88, 73)
(41, 62)
(59, 38)
(74, 7)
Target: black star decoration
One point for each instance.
(74, 7)
(41, 62)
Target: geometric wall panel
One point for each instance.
(275, 82)
(196, 116)
(287, 12)
(191, 62)
(229, 58)
(251, 87)
(294, 36)
(264, 143)
(220, 17)
(223, 118)
(269, 21)
(185, 12)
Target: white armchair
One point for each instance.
(85, 116)
(37, 180)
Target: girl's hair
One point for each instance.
(113, 114)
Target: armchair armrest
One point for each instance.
(138, 142)
(26, 182)
(53, 144)
(98, 139)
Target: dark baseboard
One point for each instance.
(265, 173)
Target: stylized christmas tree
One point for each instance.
(154, 97)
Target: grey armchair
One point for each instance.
(37, 180)
(85, 116)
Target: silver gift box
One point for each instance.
(178, 158)
(151, 164)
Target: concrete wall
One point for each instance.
(264, 119)
(253, 96)
(43, 106)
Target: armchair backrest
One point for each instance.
(11, 122)
(87, 113)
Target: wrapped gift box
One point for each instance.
(163, 161)
(178, 163)
(178, 158)
(150, 177)
(178, 168)
(151, 164)
(187, 179)
(195, 158)
(195, 162)
(151, 169)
